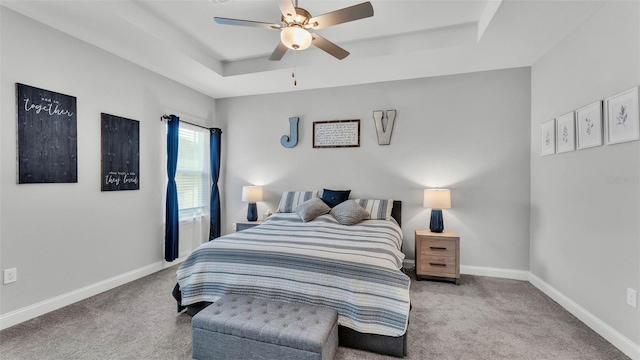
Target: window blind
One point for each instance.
(193, 177)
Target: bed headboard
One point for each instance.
(396, 212)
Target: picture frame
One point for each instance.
(47, 136)
(623, 121)
(336, 133)
(120, 153)
(548, 138)
(565, 133)
(589, 126)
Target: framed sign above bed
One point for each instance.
(336, 133)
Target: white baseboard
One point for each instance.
(495, 272)
(618, 340)
(29, 312)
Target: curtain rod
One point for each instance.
(168, 118)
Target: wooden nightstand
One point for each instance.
(437, 255)
(244, 225)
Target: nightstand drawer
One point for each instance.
(438, 265)
(438, 248)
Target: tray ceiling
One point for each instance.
(403, 40)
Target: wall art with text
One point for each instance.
(47, 136)
(120, 153)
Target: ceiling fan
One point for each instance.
(296, 23)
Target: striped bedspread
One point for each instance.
(353, 269)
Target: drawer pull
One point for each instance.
(437, 248)
(437, 264)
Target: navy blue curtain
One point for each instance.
(214, 229)
(171, 214)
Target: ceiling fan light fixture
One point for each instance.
(295, 38)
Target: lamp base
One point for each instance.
(437, 224)
(252, 212)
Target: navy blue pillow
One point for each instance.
(335, 197)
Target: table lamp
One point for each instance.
(252, 194)
(437, 199)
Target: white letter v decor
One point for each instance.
(384, 132)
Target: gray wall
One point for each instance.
(466, 132)
(585, 228)
(63, 237)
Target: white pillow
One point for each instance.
(291, 199)
(349, 213)
(378, 209)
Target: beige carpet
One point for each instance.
(483, 318)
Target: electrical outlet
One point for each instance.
(632, 297)
(10, 275)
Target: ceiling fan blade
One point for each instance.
(249, 23)
(279, 52)
(329, 47)
(351, 13)
(287, 9)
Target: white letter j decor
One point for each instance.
(384, 132)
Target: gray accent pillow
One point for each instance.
(349, 213)
(311, 209)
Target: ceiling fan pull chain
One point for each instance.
(293, 73)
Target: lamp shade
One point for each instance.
(252, 194)
(295, 38)
(437, 198)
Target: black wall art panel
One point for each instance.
(47, 136)
(120, 153)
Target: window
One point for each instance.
(193, 176)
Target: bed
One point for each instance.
(356, 270)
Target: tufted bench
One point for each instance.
(243, 327)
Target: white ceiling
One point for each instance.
(404, 39)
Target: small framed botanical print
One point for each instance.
(589, 125)
(565, 133)
(623, 121)
(548, 138)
